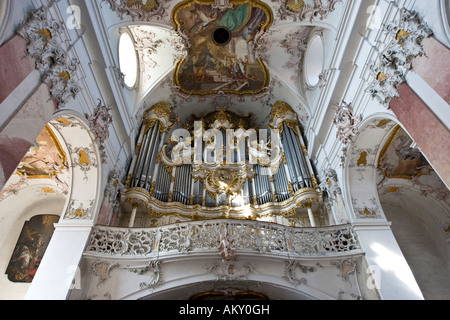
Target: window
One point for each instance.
(314, 61)
(128, 60)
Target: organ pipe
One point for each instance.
(177, 183)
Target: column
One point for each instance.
(310, 214)
(424, 127)
(434, 67)
(133, 216)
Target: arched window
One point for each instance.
(128, 60)
(314, 61)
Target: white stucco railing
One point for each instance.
(204, 236)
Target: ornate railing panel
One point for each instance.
(204, 236)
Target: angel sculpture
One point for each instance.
(226, 249)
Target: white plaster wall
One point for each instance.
(421, 240)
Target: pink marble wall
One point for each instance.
(14, 66)
(432, 137)
(435, 67)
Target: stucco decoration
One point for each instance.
(388, 71)
(296, 44)
(330, 184)
(141, 10)
(114, 187)
(190, 237)
(146, 45)
(51, 59)
(231, 272)
(300, 10)
(83, 157)
(100, 122)
(80, 211)
(290, 274)
(346, 123)
(362, 164)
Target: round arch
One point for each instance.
(84, 160)
(360, 169)
(417, 204)
(54, 278)
(205, 289)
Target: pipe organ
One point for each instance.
(220, 167)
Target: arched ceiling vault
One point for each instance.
(280, 39)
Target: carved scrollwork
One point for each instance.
(290, 272)
(51, 60)
(139, 9)
(346, 123)
(247, 236)
(300, 10)
(393, 62)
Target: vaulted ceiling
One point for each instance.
(293, 39)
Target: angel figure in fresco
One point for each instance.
(201, 20)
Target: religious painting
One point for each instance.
(30, 248)
(221, 39)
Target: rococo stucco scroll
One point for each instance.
(300, 10)
(346, 123)
(392, 63)
(51, 59)
(143, 10)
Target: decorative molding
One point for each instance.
(102, 270)
(120, 76)
(83, 157)
(364, 210)
(231, 272)
(154, 267)
(201, 236)
(114, 187)
(389, 69)
(330, 184)
(300, 10)
(296, 44)
(346, 123)
(51, 60)
(100, 122)
(346, 267)
(140, 10)
(226, 248)
(79, 212)
(222, 5)
(146, 45)
(290, 272)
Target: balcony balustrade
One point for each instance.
(244, 236)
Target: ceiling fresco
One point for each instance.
(241, 55)
(400, 157)
(46, 159)
(221, 57)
